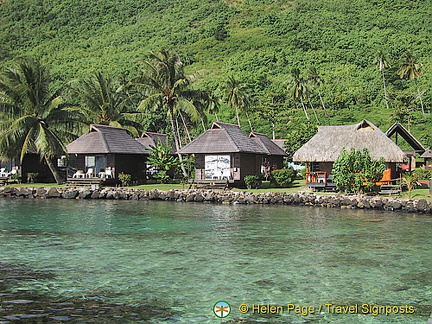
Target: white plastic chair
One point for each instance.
(108, 173)
(90, 173)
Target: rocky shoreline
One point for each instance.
(226, 197)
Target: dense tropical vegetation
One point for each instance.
(355, 171)
(281, 67)
(34, 119)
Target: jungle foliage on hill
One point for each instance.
(260, 43)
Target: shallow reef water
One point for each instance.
(149, 261)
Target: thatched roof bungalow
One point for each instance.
(275, 154)
(224, 152)
(324, 147)
(107, 150)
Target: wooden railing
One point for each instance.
(316, 177)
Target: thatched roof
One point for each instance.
(427, 154)
(326, 145)
(222, 138)
(150, 139)
(103, 139)
(407, 136)
(264, 141)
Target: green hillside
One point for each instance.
(257, 42)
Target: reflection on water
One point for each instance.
(189, 256)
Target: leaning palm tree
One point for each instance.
(298, 88)
(382, 63)
(166, 85)
(105, 103)
(238, 98)
(410, 69)
(32, 118)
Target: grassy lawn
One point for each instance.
(297, 185)
(418, 194)
(161, 186)
(35, 185)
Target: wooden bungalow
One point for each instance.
(427, 156)
(150, 139)
(320, 152)
(105, 152)
(275, 154)
(224, 153)
(416, 147)
(31, 163)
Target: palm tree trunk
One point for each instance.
(217, 118)
(273, 130)
(385, 90)
(54, 171)
(322, 103)
(176, 142)
(238, 117)
(304, 109)
(250, 124)
(185, 127)
(203, 125)
(421, 100)
(313, 109)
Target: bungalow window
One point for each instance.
(217, 167)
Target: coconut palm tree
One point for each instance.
(410, 69)
(33, 118)
(298, 88)
(103, 102)
(382, 63)
(238, 98)
(166, 85)
(316, 81)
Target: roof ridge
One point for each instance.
(230, 139)
(104, 140)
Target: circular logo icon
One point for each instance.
(221, 309)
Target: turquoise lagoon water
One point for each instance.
(189, 256)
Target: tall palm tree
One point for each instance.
(316, 81)
(166, 85)
(103, 102)
(298, 88)
(270, 108)
(238, 98)
(382, 63)
(410, 69)
(33, 118)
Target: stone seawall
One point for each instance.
(227, 197)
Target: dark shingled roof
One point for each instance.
(270, 147)
(407, 136)
(149, 139)
(222, 138)
(279, 142)
(326, 145)
(427, 153)
(105, 139)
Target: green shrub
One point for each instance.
(252, 181)
(356, 171)
(282, 177)
(125, 178)
(32, 176)
(422, 174)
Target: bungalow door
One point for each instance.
(95, 163)
(217, 167)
